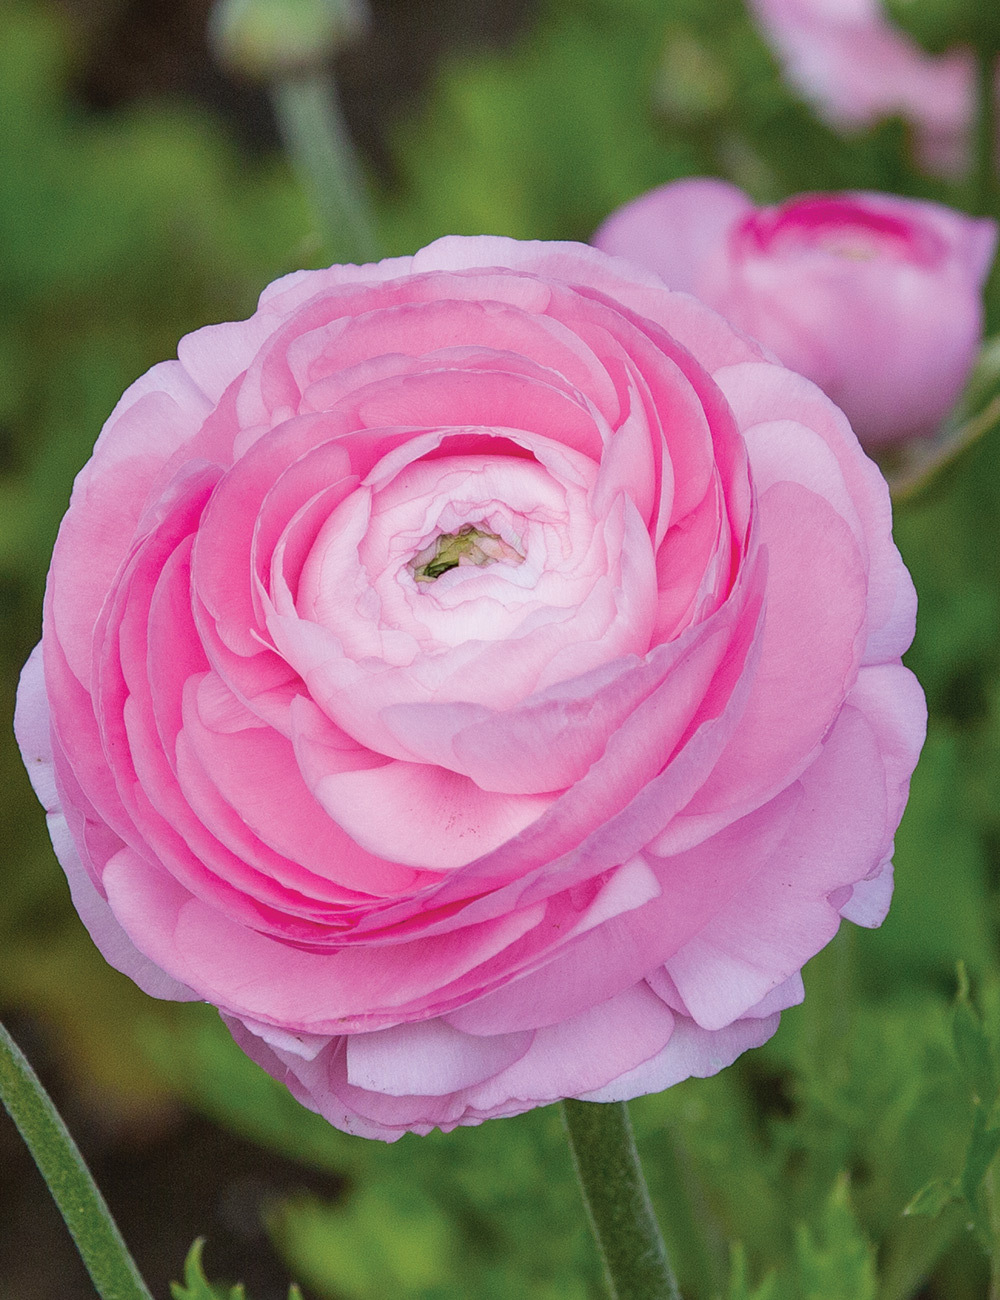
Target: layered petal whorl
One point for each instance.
(478, 675)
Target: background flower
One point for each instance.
(858, 68)
(876, 298)
(478, 675)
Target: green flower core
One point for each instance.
(470, 545)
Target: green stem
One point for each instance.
(88, 1218)
(992, 1193)
(321, 151)
(617, 1200)
(923, 465)
(984, 177)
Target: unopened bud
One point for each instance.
(264, 39)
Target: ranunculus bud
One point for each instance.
(858, 68)
(875, 298)
(262, 39)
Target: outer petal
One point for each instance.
(675, 229)
(691, 1050)
(31, 725)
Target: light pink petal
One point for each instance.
(289, 292)
(31, 727)
(674, 229)
(481, 397)
(108, 499)
(868, 902)
(694, 885)
(222, 572)
(428, 1058)
(783, 917)
(757, 394)
(691, 1051)
(553, 738)
(809, 658)
(892, 701)
(693, 567)
(789, 993)
(153, 419)
(31, 724)
(315, 1092)
(216, 354)
(448, 334)
(582, 1053)
(424, 816)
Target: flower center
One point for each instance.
(469, 545)
(850, 245)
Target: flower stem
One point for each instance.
(617, 1200)
(321, 151)
(87, 1216)
(984, 179)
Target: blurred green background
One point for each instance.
(143, 195)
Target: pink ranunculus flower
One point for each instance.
(478, 674)
(859, 68)
(877, 299)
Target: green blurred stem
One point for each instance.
(321, 151)
(617, 1200)
(993, 1206)
(984, 179)
(96, 1234)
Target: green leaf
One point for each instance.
(973, 1047)
(739, 1287)
(984, 1143)
(196, 1285)
(933, 1198)
(381, 1244)
(482, 1213)
(835, 1261)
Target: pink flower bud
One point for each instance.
(875, 298)
(859, 68)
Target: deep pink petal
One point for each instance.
(248, 973)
